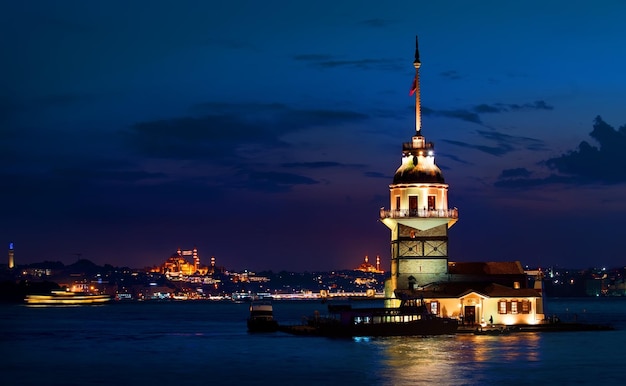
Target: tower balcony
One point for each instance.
(419, 213)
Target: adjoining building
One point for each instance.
(419, 219)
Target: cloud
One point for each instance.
(451, 74)
(587, 164)
(328, 61)
(454, 158)
(272, 181)
(493, 150)
(232, 127)
(320, 165)
(377, 175)
(517, 172)
(464, 115)
(504, 143)
(473, 113)
(533, 182)
(604, 164)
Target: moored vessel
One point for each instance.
(261, 318)
(411, 318)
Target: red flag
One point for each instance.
(414, 86)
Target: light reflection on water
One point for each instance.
(207, 343)
(458, 360)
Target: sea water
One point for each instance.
(206, 343)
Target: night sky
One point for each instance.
(266, 133)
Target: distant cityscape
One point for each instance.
(181, 276)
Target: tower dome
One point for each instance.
(418, 163)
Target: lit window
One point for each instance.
(434, 307)
(514, 307)
(502, 307)
(525, 307)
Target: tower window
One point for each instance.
(412, 205)
(431, 202)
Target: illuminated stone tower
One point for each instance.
(419, 217)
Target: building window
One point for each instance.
(502, 307)
(431, 202)
(514, 307)
(434, 307)
(525, 307)
(412, 206)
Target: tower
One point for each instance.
(418, 214)
(11, 256)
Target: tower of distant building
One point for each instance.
(11, 256)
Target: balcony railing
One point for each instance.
(408, 213)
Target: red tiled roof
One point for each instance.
(486, 268)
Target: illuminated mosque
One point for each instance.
(178, 265)
(366, 266)
(419, 219)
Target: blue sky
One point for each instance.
(266, 133)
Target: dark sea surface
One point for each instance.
(206, 343)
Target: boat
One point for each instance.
(411, 318)
(60, 297)
(261, 318)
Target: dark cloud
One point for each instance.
(504, 143)
(537, 105)
(464, 115)
(451, 74)
(272, 181)
(377, 175)
(587, 164)
(486, 109)
(533, 182)
(517, 172)
(327, 61)
(493, 150)
(473, 114)
(454, 158)
(312, 165)
(604, 164)
(219, 137)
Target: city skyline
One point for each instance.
(266, 134)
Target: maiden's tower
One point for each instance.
(419, 218)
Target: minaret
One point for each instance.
(11, 256)
(418, 214)
(196, 259)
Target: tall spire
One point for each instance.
(416, 90)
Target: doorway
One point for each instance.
(470, 315)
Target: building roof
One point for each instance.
(413, 172)
(486, 268)
(460, 289)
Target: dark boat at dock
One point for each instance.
(411, 318)
(261, 318)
